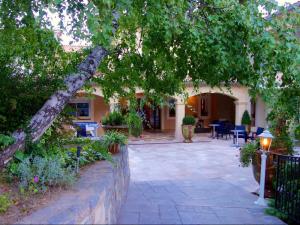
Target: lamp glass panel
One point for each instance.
(265, 143)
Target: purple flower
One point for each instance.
(36, 179)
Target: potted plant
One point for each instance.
(281, 144)
(188, 128)
(246, 121)
(114, 121)
(113, 140)
(135, 124)
(247, 153)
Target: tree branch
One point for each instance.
(44, 118)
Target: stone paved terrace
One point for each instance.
(198, 183)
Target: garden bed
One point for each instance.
(22, 204)
(96, 197)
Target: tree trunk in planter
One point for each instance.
(44, 118)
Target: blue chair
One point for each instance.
(220, 130)
(259, 130)
(241, 134)
(81, 130)
(225, 129)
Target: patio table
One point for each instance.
(213, 131)
(236, 133)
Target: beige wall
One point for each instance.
(260, 113)
(98, 108)
(167, 123)
(222, 108)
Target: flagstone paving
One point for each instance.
(198, 183)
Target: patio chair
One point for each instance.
(220, 130)
(224, 129)
(241, 134)
(81, 130)
(259, 130)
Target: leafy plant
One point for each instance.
(271, 210)
(5, 141)
(91, 151)
(188, 120)
(114, 118)
(4, 203)
(113, 137)
(36, 174)
(246, 118)
(247, 152)
(297, 132)
(135, 124)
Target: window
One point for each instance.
(172, 110)
(80, 109)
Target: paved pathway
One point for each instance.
(199, 183)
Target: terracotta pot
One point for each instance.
(122, 128)
(270, 170)
(114, 148)
(188, 132)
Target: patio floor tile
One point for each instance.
(197, 183)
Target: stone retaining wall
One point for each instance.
(96, 198)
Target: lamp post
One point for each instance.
(265, 139)
(78, 158)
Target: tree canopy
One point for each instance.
(154, 45)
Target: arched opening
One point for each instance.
(209, 107)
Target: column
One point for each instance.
(180, 113)
(240, 108)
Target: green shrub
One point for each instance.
(188, 120)
(247, 152)
(114, 119)
(283, 141)
(246, 120)
(5, 141)
(36, 174)
(4, 203)
(271, 210)
(135, 124)
(113, 137)
(93, 151)
(297, 132)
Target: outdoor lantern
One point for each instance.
(265, 139)
(265, 144)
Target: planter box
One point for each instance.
(122, 129)
(114, 148)
(188, 132)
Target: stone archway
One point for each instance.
(208, 107)
(238, 95)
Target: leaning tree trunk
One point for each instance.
(43, 119)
